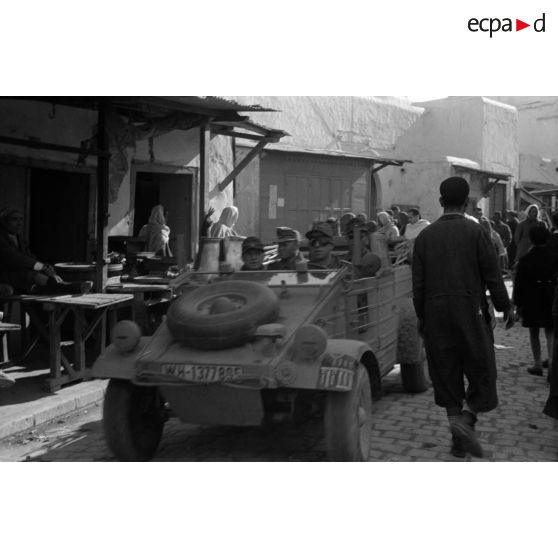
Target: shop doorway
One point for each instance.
(174, 192)
(58, 215)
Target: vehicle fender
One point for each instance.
(113, 364)
(335, 370)
(340, 362)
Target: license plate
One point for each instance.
(339, 379)
(203, 374)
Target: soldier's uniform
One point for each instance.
(286, 234)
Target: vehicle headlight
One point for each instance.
(310, 342)
(126, 335)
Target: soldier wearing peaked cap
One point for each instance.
(320, 241)
(288, 242)
(252, 254)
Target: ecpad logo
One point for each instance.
(493, 25)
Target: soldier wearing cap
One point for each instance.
(358, 225)
(321, 245)
(252, 254)
(288, 242)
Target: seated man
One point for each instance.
(288, 242)
(20, 268)
(252, 254)
(321, 248)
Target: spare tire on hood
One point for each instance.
(222, 315)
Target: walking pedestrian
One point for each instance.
(551, 405)
(533, 293)
(512, 221)
(496, 240)
(453, 265)
(521, 236)
(502, 229)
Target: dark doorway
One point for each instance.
(174, 192)
(58, 215)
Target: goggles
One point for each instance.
(316, 242)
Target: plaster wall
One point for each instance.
(349, 124)
(181, 149)
(500, 142)
(32, 120)
(538, 125)
(418, 185)
(541, 170)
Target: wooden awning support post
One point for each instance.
(102, 201)
(205, 138)
(243, 164)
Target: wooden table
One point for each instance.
(98, 306)
(6, 328)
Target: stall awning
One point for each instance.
(147, 117)
(378, 159)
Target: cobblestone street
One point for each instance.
(406, 427)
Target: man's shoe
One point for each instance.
(5, 380)
(535, 370)
(463, 432)
(457, 449)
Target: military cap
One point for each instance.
(320, 229)
(252, 243)
(286, 234)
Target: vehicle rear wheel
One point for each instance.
(348, 421)
(133, 420)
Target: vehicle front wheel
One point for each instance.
(348, 421)
(133, 420)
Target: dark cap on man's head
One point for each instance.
(286, 234)
(320, 229)
(454, 191)
(357, 223)
(252, 243)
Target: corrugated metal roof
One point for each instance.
(218, 103)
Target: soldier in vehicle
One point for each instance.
(252, 254)
(321, 246)
(360, 226)
(288, 241)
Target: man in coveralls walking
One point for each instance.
(453, 265)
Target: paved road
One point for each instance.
(406, 428)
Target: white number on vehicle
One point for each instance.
(335, 378)
(203, 374)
